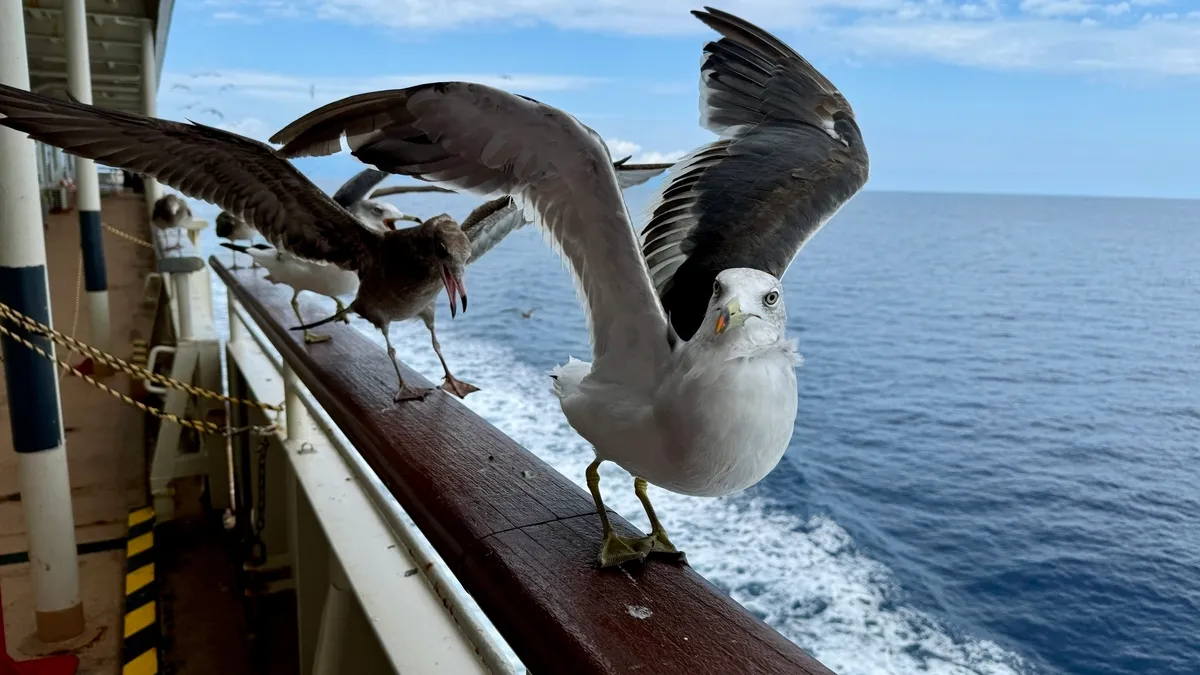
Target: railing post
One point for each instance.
(151, 190)
(334, 618)
(34, 408)
(183, 300)
(87, 185)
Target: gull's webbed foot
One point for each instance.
(312, 338)
(617, 550)
(407, 393)
(660, 546)
(458, 387)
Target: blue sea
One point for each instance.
(996, 461)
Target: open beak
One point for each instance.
(454, 290)
(389, 223)
(730, 315)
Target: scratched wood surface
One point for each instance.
(520, 536)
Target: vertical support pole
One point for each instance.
(183, 300)
(34, 408)
(336, 614)
(87, 184)
(149, 105)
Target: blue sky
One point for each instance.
(1081, 97)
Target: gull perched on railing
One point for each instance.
(708, 416)
(171, 212)
(320, 277)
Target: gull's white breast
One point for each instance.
(713, 427)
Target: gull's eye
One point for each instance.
(442, 250)
(771, 298)
(716, 288)
(378, 211)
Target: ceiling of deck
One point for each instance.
(114, 47)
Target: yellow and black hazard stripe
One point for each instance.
(140, 647)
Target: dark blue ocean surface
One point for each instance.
(996, 464)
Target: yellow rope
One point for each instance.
(136, 372)
(202, 426)
(125, 235)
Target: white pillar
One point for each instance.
(35, 409)
(149, 104)
(87, 182)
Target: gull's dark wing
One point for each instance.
(790, 155)
(240, 175)
(356, 189)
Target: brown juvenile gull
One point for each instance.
(171, 212)
(321, 277)
(399, 271)
(707, 416)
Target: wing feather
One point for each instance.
(789, 155)
(238, 174)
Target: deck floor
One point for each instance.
(105, 442)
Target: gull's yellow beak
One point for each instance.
(730, 316)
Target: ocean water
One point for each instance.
(996, 462)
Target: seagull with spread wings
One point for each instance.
(708, 415)
(400, 271)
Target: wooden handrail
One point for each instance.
(520, 537)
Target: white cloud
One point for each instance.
(1114, 36)
(620, 148)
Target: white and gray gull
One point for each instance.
(707, 416)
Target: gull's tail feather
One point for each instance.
(336, 316)
(568, 376)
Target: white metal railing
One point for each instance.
(372, 594)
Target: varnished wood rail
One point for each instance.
(518, 535)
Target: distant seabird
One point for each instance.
(171, 212)
(399, 271)
(708, 416)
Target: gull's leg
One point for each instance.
(657, 540)
(233, 260)
(253, 262)
(615, 549)
(404, 392)
(451, 384)
(309, 336)
(341, 308)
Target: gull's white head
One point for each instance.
(746, 309)
(376, 215)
